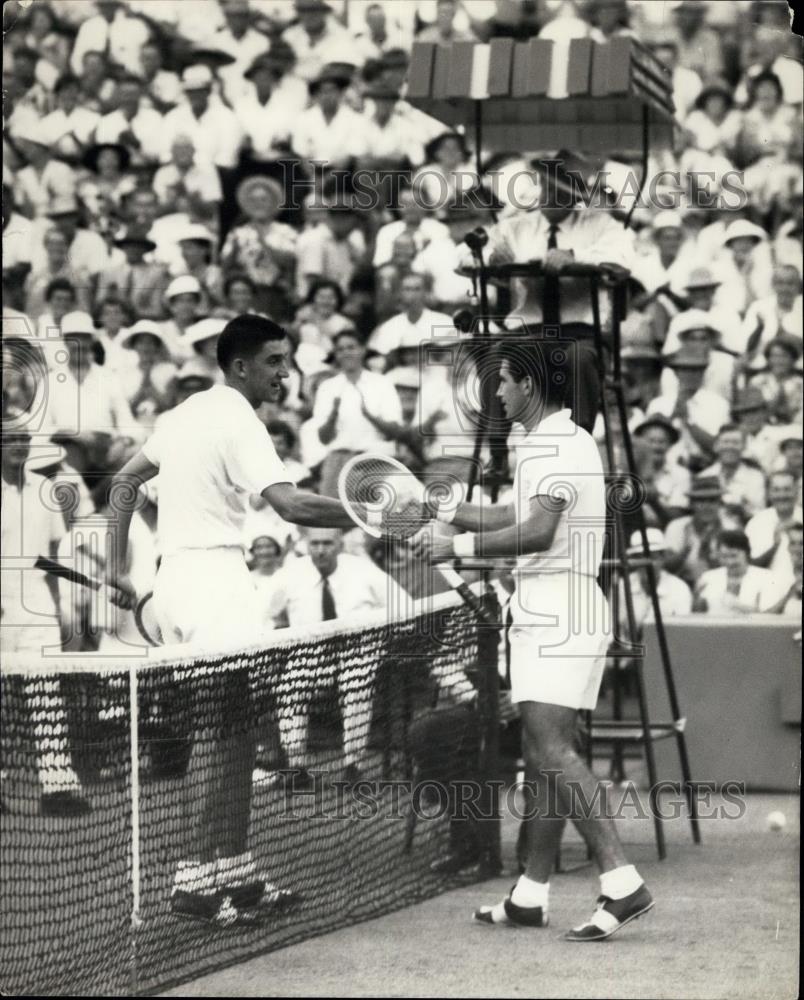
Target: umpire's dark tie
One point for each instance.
(327, 601)
(550, 305)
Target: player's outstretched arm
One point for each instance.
(309, 509)
(480, 517)
(535, 534)
(122, 493)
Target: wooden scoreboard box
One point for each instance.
(542, 95)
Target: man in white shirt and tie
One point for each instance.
(561, 231)
(322, 586)
(212, 453)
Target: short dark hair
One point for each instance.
(766, 76)
(734, 539)
(238, 276)
(549, 365)
(66, 80)
(731, 429)
(243, 336)
(59, 285)
(318, 284)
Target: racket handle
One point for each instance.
(54, 568)
(457, 582)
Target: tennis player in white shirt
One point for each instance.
(212, 452)
(560, 630)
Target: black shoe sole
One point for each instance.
(605, 936)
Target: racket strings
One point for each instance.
(393, 493)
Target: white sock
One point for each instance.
(620, 882)
(195, 876)
(235, 870)
(529, 893)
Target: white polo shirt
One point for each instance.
(558, 459)
(760, 589)
(212, 452)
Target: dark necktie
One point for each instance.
(327, 601)
(551, 304)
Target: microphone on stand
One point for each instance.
(476, 239)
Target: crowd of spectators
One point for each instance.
(169, 165)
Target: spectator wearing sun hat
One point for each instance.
(138, 283)
(714, 125)
(696, 412)
(212, 127)
(701, 291)
(329, 131)
(261, 247)
(699, 329)
(790, 460)
(745, 264)
(183, 302)
(664, 264)
(197, 247)
(666, 481)
(675, 597)
(691, 540)
(264, 111)
(147, 380)
(202, 339)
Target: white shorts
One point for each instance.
(559, 636)
(207, 597)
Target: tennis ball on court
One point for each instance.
(776, 821)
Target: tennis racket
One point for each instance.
(144, 616)
(385, 499)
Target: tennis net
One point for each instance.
(332, 756)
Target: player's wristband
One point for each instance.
(463, 546)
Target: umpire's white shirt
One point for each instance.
(212, 451)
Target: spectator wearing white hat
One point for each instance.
(666, 264)
(675, 597)
(743, 484)
(202, 338)
(147, 379)
(188, 183)
(197, 247)
(697, 328)
(133, 125)
(212, 127)
(183, 301)
(43, 180)
(736, 588)
(745, 265)
(701, 291)
(86, 405)
(112, 31)
(766, 529)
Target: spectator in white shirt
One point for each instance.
(412, 327)
(112, 31)
(213, 128)
(317, 38)
(766, 529)
(413, 220)
(325, 585)
(357, 410)
(675, 597)
(333, 249)
(43, 180)
(743, 484)
(737, 588)
(187, 185)
(694, 411)
(133, 125)
(393, 140)
(266, 561)
(161, 87)
(263, 110)
(239, 40)
(330, 132)
(782, 312)
(761, 437)
(695, 328)
(666, 482)
(87, 249)
(71, 126)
